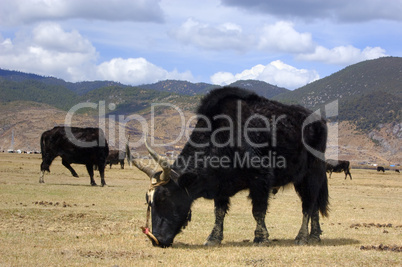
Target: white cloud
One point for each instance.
(51, 36)
(276, 73)
(282, 37)
(278, 37)
(222, 37)
(136, 71)
(21, 11)
(51, 51)
(343, 55)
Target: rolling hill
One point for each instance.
(79, 88)
(261, 88)
(186, 88)
(369, 95)
(180, 87)
(382, 74)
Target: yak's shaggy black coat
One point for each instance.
(338, 166)
(116, 157)
(231, 125)
(56, 142)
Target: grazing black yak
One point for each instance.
(380, 169)
(241, 141)
(116, 157)
(338, 166)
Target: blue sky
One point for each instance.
(288, 43)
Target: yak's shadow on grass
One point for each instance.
(274, 243)
(81, 185)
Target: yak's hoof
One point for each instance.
(76, 175)
(301, 241)
(93, 184)
(212, 243)
(314, 239)
(103, 184)
(261, 241)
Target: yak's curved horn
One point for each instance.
(148, 170)
(162, 161)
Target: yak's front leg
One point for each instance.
(216, 236)
(68, 166)
(261, 233)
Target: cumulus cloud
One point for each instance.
(343, 55)
(282, 37)
(278, 37)
(340, 10)
(51, 36)
(276, 73)
(50, 50)
(137, 71)
(224, 36)
(21, 11)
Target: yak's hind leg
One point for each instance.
(68, 166)
(44, 166)
(216, 236)
(90, 169)
(302, 236)
(313, 191)
(315, 228)
(259, 193)
(347, 172)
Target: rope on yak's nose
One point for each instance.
(145, 229)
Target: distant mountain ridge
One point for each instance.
(382, 74)
(171, 86)
(369, 92)
(180, 87)
(261, 88)
(368, 95)
(16, 86)
(187, 88)
(80, 88)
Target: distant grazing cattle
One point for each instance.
(116, 157)
(380, 169)
(212, 167)
(396, 170)
(338, 166)
(86, 146)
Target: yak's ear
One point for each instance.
(187, 179)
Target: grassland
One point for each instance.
(66, 222)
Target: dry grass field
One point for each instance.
(66, 222)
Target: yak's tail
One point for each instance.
(323, 198)
(42, 144)
(128, 154)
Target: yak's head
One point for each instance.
(168, 201)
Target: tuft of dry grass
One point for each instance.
(66, 222)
